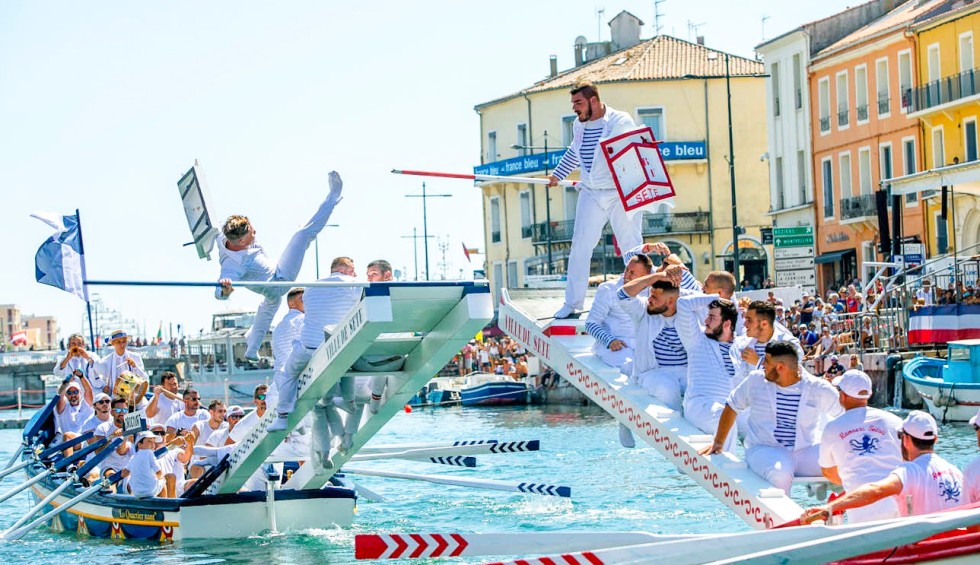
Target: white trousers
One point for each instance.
(667, 384)
(779, 465)
(705, 413)
(622, 359)
(287, 376)
(594, 209)
(287, 269)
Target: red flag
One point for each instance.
(466, 252)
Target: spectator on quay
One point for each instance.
(855, 363)
(835, 369)
(867, 334)
(806, 309)
(925, 292)
(850, 301)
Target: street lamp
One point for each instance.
(415, 248)
(547, 195)
(712, 56)
(425, 221)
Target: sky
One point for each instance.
(105, 104)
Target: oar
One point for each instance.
(36, 478)
(13, 458)
(54, 449)
(14, 469)
(81, 454)
(394, 546)
(529, 488)
(467, 176)
(253, 284)
(368, 493)
(469, 447)
(74, 476)
(92, 490)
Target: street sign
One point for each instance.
(792, 252)
(794, 241)
(794, 264)
(798, 230)
(766, 235)
(804, 278)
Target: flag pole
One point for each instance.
(88, 304)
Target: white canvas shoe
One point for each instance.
(279, 424)
(564, 312)
(626, 437)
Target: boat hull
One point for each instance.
(946, 401)
(495, 394)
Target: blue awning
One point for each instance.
(832, 257)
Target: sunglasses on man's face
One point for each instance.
(259, 397)
(235, 417)
(102, 402)
(72, 392)
(118, 410)
(159, 433)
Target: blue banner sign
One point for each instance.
(670, 150)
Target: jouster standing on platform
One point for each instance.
(861, 446)
(244, 260)
(923, 484)
(598, 200)
(787, 408)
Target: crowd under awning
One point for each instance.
(964, 176)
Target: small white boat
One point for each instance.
(949, 387)
(215, 361)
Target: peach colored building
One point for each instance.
(862, 134)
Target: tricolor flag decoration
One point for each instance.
(59, 261)
(940, 324)
(18, 338)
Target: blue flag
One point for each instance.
(59, 261)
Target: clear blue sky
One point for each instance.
(104, 105)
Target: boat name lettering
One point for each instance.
(345, 334)
(137, 515)
(540, 346)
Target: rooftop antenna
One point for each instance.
(764, 18)
(692, 29)
(657, 14)
(599, 12)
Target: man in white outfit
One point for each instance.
(923, 484)
(118, 362)
(244, 260)
(861, 446)
(323, 307)
(971, 473)
(788, 409)
(710, 369)
(289, 327)
(749, 351)
(598, 200)
(79, 362)
(613, 330)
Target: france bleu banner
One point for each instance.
(59, 261)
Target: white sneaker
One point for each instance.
(375, 403)
(336, 185)
(626, 437)
(279, 424)
(564, 312)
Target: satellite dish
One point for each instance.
(194, 196)
(398, 274)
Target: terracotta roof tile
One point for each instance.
(900, 17)
(660, 58)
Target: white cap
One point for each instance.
(854, 383)
(148, 435)
(235, 410)
(975, 419)
(920, 425)
(101, 396)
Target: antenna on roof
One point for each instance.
(657, 14)
(598, 22)
(692, 29)
(764, 18)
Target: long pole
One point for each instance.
(88, 304)
(547, 204)
(425, 232)
(731, 173)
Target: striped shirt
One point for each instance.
(326, 306)
(668, 348)
(287, 331)
(571, 159)
(787, 407)
(726, 347)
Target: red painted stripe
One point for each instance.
(369, 546)
(592, 558)
(559, 330)
(547, 561)
(570, 559)
(441, 545)
(435, 174)
(461, 545)
(422, 544)
(401, 546)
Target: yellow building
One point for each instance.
(946, 99)
(676, 87)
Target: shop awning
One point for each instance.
(831, 257)
(964, 176)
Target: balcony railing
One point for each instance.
(858, 207)
(944, 90)
(825, 123)
(653, 224)
(526, 231)
(862, 112)
(884, 103)
(842, 118)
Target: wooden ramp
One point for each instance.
(564, 346)
(426, 322)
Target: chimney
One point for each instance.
(625, 30)
(700, 40)
(553, 61)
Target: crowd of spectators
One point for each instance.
(500, 356)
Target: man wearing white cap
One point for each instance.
(923, 484)
(74, 407)
(861, 446)
(102, 414)
(971, 474)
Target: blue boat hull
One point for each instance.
(495, 394)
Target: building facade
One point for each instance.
(862, 134)
(677, 88)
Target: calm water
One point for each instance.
(613, 489)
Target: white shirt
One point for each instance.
(181, 421)
(707, 373)
(204, 430)
(743, 342)
(72, 418)
(933, 484)
(925, 293)
(971, 481)
(218, 437)
(250, 264)
(287, 331)
(93, 422)
(80, 363)
(326, 306)
(166, 407)
(112, 365)
(609, 319)
(818, 402)
(143, 467)
(113, 460)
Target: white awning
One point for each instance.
(964, 177)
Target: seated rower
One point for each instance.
(143, 474)
(111, 429)
(923, 484)
(192, 413)
(73, 409)
(202, 431)
(788, 409)
(174, 462)
(613, 330)
(103, 413)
